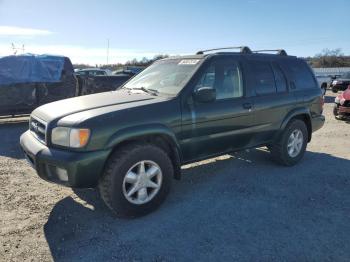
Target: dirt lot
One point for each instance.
(236, 207)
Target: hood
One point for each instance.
(70, 106)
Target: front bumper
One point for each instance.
(317, 122)
(343, 110)
(82, 169)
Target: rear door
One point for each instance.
(215, 127)
(304, 85)
(272, 99)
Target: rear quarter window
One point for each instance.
(300, 74)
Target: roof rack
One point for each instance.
(278, 51)
(243, 49)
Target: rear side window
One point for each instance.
(264, 81)
(280, 79)
(300, 73)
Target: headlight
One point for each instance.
(70, 137)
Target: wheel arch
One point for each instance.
(302, 114)
(158, 135)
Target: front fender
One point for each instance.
(136, 132)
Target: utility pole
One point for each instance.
(107, 50)
(16, 49)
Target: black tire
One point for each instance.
(324, 88)
(336, 113)
(84, 92)
(111, 184)
(279, 150)
(335, 110)
(334, 90)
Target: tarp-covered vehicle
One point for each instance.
(28, 81)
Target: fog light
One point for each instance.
(62, 174)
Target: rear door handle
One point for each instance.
(247, 106)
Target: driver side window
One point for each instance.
(225, 78)
(207, 79)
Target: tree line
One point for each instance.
(329, 58)
(144, 62)
(326, 58)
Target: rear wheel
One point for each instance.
(137, 179)
(291, 146)
(334, 90)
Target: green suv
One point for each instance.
(131, 143)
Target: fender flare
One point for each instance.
(302, 111)
(142, 131)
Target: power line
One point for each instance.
(16, 49)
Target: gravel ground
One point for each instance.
(235, 207)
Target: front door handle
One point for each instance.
(247, 106)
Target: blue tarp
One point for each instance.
(30, 69)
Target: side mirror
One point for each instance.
(205, 95)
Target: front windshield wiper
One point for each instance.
(150, 91)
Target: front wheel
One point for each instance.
(291, 146)
(137, 179)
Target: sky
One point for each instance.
(81, 29)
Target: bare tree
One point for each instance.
(330, 58)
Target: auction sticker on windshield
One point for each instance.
(189, 62)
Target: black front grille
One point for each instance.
(38, 129)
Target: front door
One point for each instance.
(222, 125)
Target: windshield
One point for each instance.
(165, 77)
(346, 75)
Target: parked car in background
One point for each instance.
(325, 81)
(129, 70)
(99, 84)
(28, 81)
(92, 72)
(322, 82)
(96, 80)
(342, 105)
(123, 72)
(341, 83)
(131, 143)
